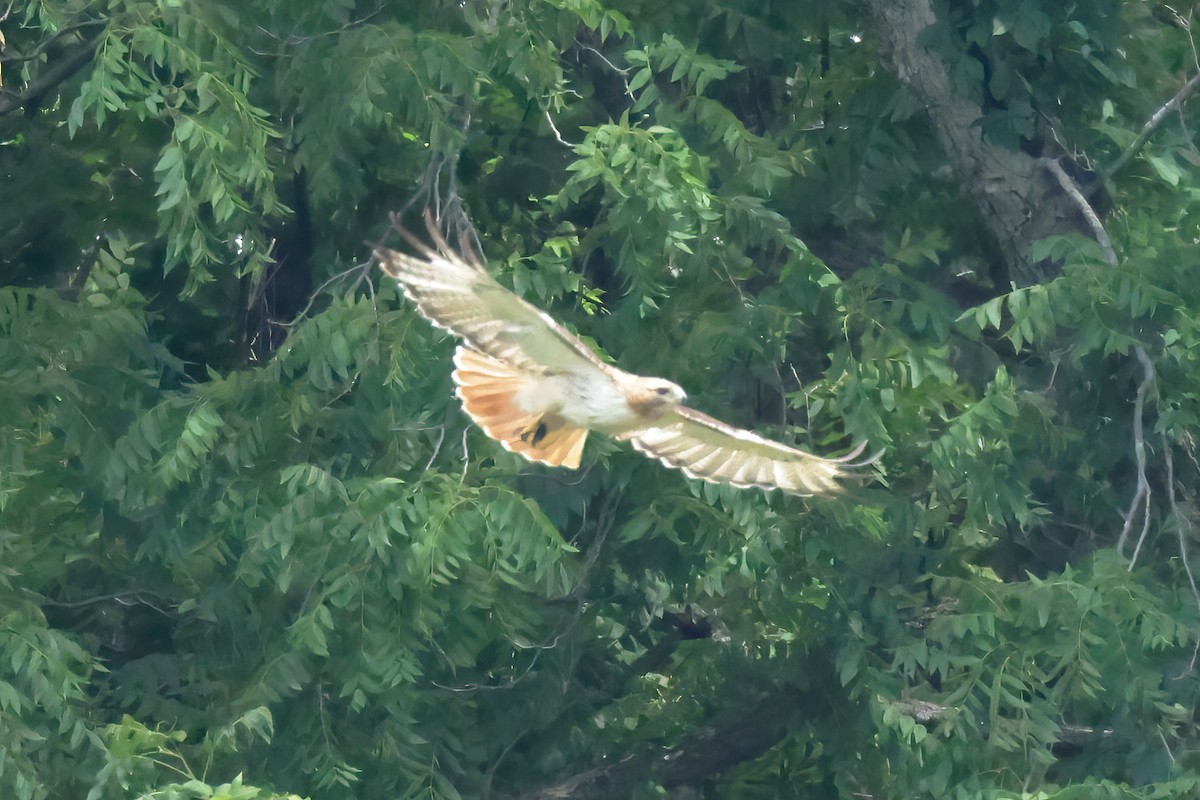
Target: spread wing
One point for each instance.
(456, 293)
(710, 450)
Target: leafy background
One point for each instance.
(250, 548)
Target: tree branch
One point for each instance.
(1141, 494)
(1155, 120)
(44, 82)
(1089, 213)
(1183, 527)
(45, 44)
(708, 753)
(715, 750)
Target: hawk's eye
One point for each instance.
(663, 391)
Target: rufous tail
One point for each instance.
(489, 391)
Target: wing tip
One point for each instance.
(847, 461)
(466, 254)
(829, 483)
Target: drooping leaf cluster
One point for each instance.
(250, 547)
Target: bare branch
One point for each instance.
(445, 205)
(1151, 124)
(1069, 186)
(1183, 526)
(358, 271)
(622, 73)
(44, 82)
(437, 446)
(1142, 493)
(923, 710)
(603, 58)
(42, 46)
(292, 39)
(710, 751)
(554, 128)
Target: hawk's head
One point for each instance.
(650, 396)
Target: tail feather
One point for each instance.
(489, 389)
(567, 447)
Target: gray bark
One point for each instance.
(1018, 201)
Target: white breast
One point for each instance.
(589, 399)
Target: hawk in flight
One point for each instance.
(535, 388)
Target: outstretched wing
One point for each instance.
(710, 450)
(455, 292)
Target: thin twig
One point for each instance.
(1142, 493)
(1182, 525)
(554, 128)
(293, 39)
(537, 649)
(1151, 124)
(624, 73)
(604, 58)
(490, 775)
(128, 598)
(1187, 26)
(66, 30)
(47, 80)
(437, 446)
(361, 269)
(553, 477)
(466, 455)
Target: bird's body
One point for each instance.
(535, 388)
(601, 406)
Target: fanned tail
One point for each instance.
(489, 392)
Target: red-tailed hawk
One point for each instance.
(538, 390)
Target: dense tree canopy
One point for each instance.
(251, 548)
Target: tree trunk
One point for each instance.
(1017, 199)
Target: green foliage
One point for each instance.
(178, 71)
(250, 547)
